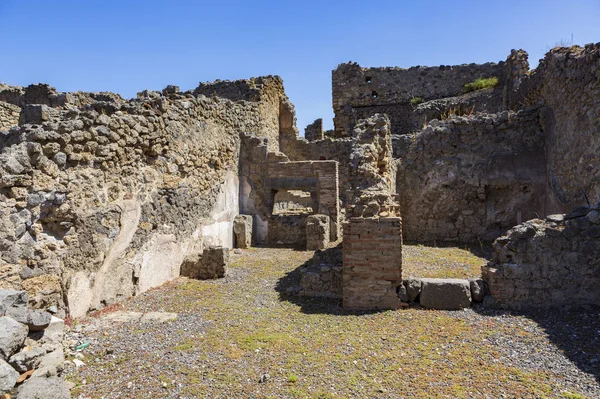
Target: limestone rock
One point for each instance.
(36, 320)
(12, 336)
(27, 359)
(15, 301)
(8, 377)
(44, 388)
(51, 364)
(445, 294)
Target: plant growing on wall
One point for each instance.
(480, 84)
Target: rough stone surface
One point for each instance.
(27, 359)
(361, 92)
(242, 228)
(445, 294)
(12, 336)
(215, 261)
(103, 198)
(44, 388)
(413, 288)
(8, 377)
(12, 301)
(548, 262)
(317, 232)
(51, 364)
(35, 320)
(478, 290)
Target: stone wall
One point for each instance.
(9, 115)
(472, 177)
(314, 131)
(389, 90)
(100, 202)
(548, 262)
(266, 91)
(567, 85)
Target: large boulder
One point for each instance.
(445, 294)
(44, 388)
(8, 377)
(51, 364)
(12, 336)
(413, 288)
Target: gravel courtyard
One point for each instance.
(244, 337)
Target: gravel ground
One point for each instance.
(243, 337)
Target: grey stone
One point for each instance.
(60, 158)
(490, 303)
(51, 364)
(402, 294)
(44, 388)
(8, 377)
(35, 320)
(15, 300)
(445, 294)
(477, 289)
(413, 288)
(12, 336)
(555, 218)
(27, 359)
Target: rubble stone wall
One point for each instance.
(472, 177)
(548, 262)
(567, 84)
(9, 115)
(104, 201)
(392, 88)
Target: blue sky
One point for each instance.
(127, 46)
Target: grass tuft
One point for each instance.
(481, 83)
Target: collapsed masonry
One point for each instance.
(102, 198)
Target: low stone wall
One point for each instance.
(548, 262)
(242, 228)
(322, 275)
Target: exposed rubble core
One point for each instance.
(555, 261)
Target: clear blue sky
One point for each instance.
(127, 46)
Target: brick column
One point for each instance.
(372, 263)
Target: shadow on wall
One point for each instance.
(575, 332)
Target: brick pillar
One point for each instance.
(372, 253)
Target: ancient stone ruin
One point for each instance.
(103, 198)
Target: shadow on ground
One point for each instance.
(574, 331)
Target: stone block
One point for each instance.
(242, 228)
(8, 377)
(12, 336)
(413, 288)
(35, 388)
(478, 290)
(211, 265)
(445, 294)
(317, 232)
